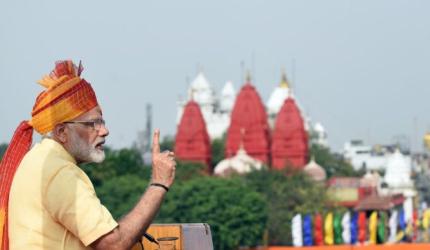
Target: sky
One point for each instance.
(361, 67)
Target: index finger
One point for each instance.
(156, 142)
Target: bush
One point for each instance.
(237, 215)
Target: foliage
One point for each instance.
(217, 150)
(120, 194)
(334, 165)
(3, 148)
(188, 170)
(117, 163)
(237, 215)
(239, 209)
(286, 194)
(168, 143)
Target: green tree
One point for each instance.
(237, 215)
(333, 164)
(286, 194)
(121, 193)
(117, 163)
(186, 171)
(168, 143)
(217, 150)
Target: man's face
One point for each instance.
(87, 136)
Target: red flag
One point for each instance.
(318, 231)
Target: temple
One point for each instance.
(192, 141)
(289, 139)
(216, 111)
(249, 116)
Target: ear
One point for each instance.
(60, 132)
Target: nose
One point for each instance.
(104, 131)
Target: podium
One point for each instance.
(194, 236)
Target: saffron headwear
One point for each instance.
(66, 97)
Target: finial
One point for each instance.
(248, 76)
(192, 91)
(284, 80)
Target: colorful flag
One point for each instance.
(318, 230)
(415, 225)
(401, 235)
(328, 229)
(373, 223)
(426, 219)
(381, 227)
(337, 226)
(402, 220)
(354, 228)
(307, 231)
(393, 226)
(346, 226)
(296, 230)
(362, 227)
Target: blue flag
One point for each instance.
(307, 231)
(354, 228)
(402, 221)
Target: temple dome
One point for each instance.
(241, 163)
(289, 138)
(228, 96)
(398, 171)
(201, 91)
(249, 115)
(192, 140)
(278, 96)
(315, 171)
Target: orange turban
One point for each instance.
(66, 97)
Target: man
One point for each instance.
(46, 200)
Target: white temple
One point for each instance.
(315, 171)
(398, 179)
(274, 104)
(398, 171)
(241, 163)
(277, 99)
(216, 112)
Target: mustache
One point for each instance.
(99, 142)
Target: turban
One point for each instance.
(66, 96)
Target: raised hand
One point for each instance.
(163, 164)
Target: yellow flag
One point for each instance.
(373, 223)
(328, 229)
(426, 219)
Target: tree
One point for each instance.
(237, 215)
(334, 165)
(217, 150)
(120, 194)
(286, 194)
(117, 163)
(168, 143)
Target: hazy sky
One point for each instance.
(362, 67)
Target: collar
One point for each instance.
(57, 147)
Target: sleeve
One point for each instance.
(71, 200)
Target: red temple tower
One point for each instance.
(192, 140)
(289, 138)
(249, 123)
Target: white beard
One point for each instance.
(83, 151)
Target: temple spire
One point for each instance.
(248, 77)
(284, 81)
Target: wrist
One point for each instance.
(159, 185)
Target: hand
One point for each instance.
(163, 164)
